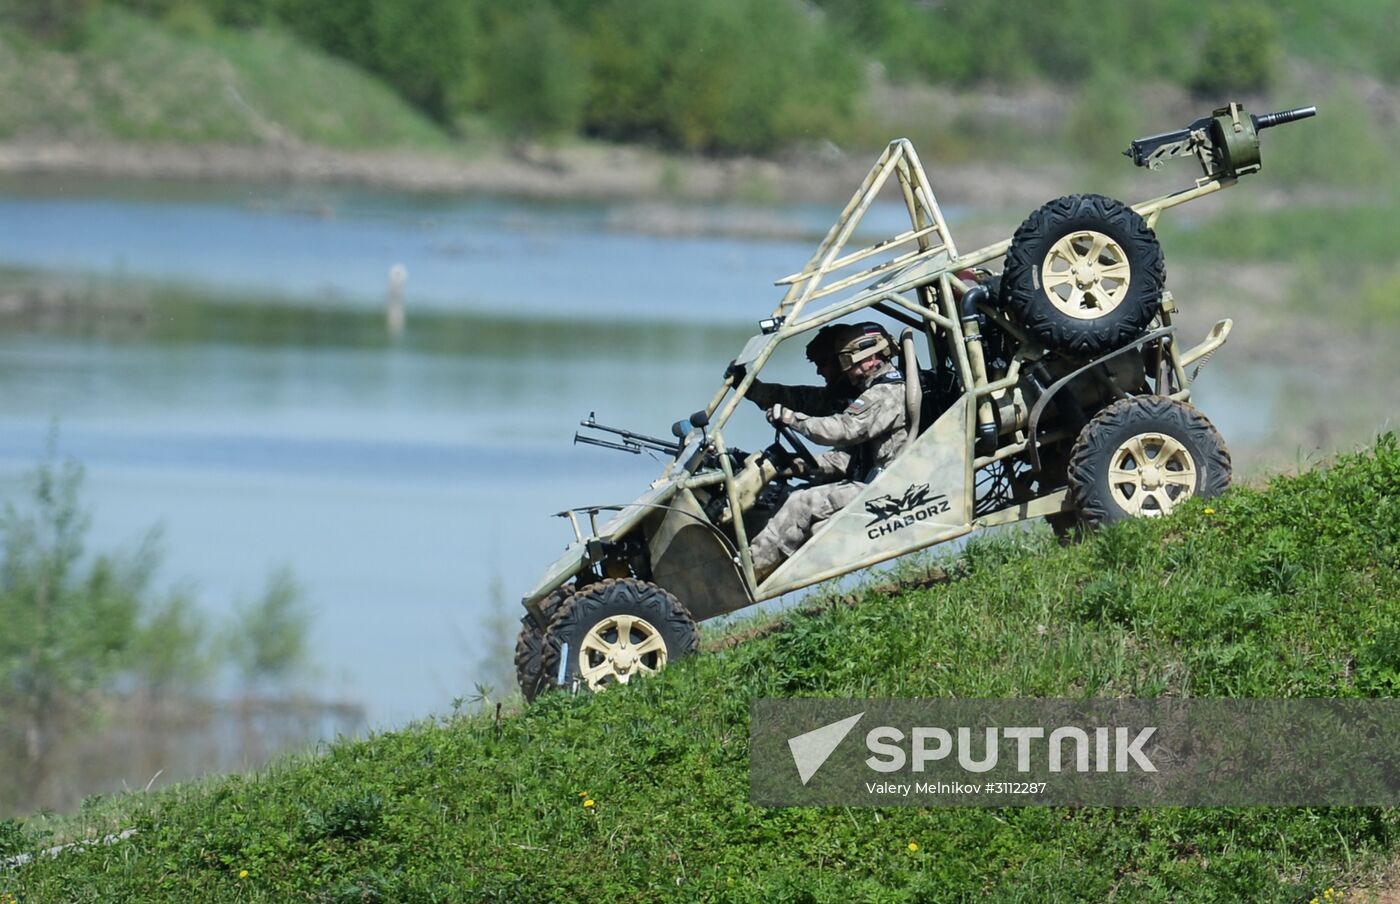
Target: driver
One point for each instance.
(866, 435)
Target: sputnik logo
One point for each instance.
(811, 750)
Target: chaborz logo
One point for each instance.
(892, 514)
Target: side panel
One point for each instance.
(688, 559)
(919, 500)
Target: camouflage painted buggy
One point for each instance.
(1055, 388)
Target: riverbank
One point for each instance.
(576, 172)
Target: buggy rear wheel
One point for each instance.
(1144, 456)
(614, 631)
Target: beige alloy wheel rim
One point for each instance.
(1085, 274)
(617, 648)
(1150, 474)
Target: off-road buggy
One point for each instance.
(1053, 387)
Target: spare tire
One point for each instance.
(1084, 275)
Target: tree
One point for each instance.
(535, 79)
(267, 641)
(67, 629)
(423, 48)
(1240, 51)
(722, 76)
(60, 21)
(83, 636)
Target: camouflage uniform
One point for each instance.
(867, 436)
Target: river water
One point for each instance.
(407, 482)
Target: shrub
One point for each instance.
(534, 77)
(59, 21)
(726, 76)
(1240, 51)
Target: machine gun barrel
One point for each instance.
(1283, 117)
(606, 444)
(631, 442)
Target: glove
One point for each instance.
(780, 416)
(734, 373)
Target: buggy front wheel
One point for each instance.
(616, 630)
(529, 644)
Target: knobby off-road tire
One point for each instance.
(1084, 275)
(1142, 457)
(616, 630)
(529, 644)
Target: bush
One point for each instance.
(421, 47)
(724, 76)
(242, 13)
(534, 78)
(59, 21)
(1240, 51)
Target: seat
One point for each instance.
(913, 386)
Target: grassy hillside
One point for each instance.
(1292, 590)
(135, 79)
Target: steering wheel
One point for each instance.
(804, 453)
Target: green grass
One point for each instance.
(1357, 36)
(1292, 590)
(135, 79)
(1333, 260)
(1345, 236)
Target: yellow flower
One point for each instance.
(588, 803)
(243, 874)
(1209, 510)
(583, 794)
(913, 847)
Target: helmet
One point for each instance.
(856, 343)
(872, 328)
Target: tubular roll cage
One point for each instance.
(928, 269)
